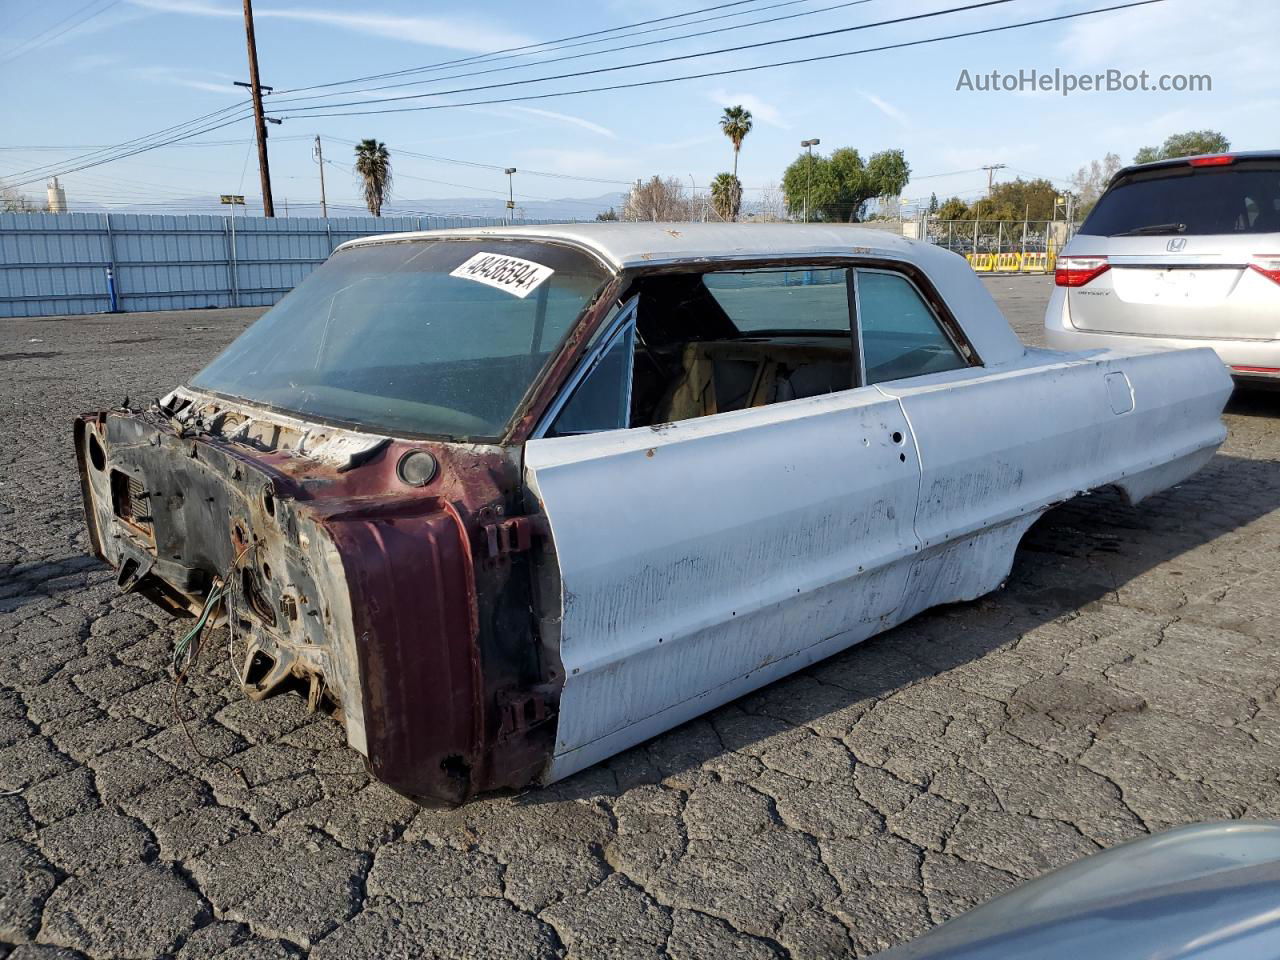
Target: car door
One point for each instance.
(699, 560)
(999, 446)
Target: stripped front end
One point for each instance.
(340, 579)
(339, 488)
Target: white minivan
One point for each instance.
(1179, 253)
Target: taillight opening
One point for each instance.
(1267, 264)
(1077, 271)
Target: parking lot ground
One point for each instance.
(1123, 681)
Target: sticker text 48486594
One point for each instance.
(515, 276)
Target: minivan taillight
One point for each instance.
(1267, 264)
(1077, 271)
(1214, 160)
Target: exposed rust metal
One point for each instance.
(438, 621)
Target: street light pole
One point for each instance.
(808, 175)
(511, 195)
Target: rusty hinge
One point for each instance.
(520, 710)
(512, 535)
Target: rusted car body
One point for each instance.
(514, 500)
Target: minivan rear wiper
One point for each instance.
(1152, 228)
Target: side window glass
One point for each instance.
(758, 301)
(901, 336)
(602, 400)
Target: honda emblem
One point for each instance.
(1176, 244)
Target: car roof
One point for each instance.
(1183, 161)
(640, 244)
(626, 245)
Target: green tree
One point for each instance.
(1187, 144)
(954, 209)
(373, 166)
(1019, 199)
(808, 185)
(735, 123)
(838, 187)
(726, 196)
(609, 215)
(889, 172)
(933, 204)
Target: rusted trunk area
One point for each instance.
(403, 603)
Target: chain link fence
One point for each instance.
(1000, 246)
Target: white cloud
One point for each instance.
(92, 61)
(191, 79)
(456, 34)
(888, 109)
(761, 110)
(570, 119)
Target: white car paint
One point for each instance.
(1061, 334)
(703, 559)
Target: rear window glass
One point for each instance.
(756, 301)
(428, 337)
(1242, 198)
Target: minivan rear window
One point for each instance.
(1241, 198)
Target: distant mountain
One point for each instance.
(569, 208)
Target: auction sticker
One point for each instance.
(516, 276)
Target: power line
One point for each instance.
(130, 153)
(663, 60)
(158, 138)
(525, 47)
(493, 166)
(40, 39)
(467, 186)
(737, 70)
(629, 46)
(57, 169)
(36, 147)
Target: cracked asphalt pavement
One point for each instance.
(1122, 682)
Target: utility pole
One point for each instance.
(808, 173)
(991, 168)
(324, 209)
(511, 196)
(255, 88)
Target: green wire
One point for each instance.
(181, 648)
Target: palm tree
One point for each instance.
(735, 122)
(373, 164)
(726, 196)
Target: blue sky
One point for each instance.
(141, 65)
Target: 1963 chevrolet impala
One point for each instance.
(513, 500)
